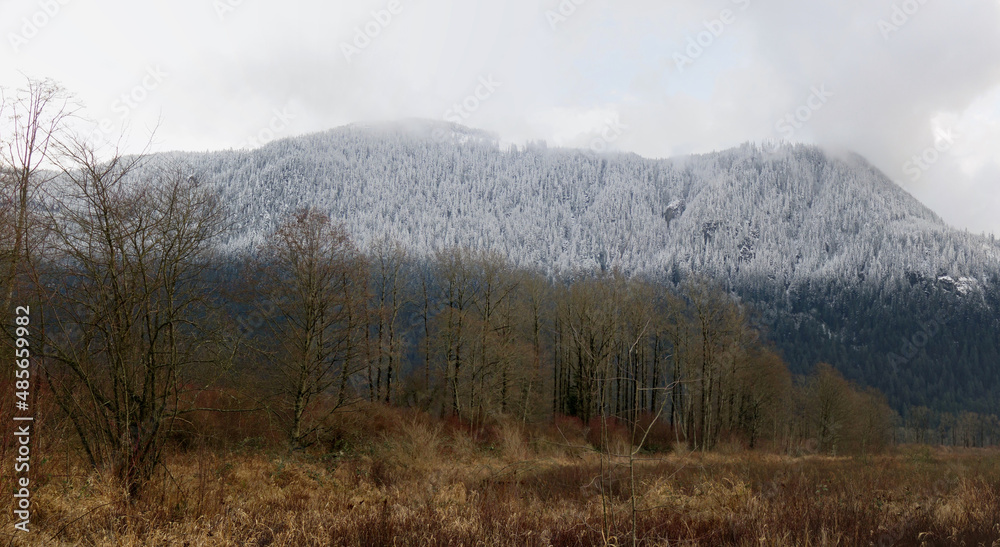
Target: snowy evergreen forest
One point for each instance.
(791, 216)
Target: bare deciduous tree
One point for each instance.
(32, 119)
(389, 297)
(317, 278)
(130, 309)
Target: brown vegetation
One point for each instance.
(404, 478)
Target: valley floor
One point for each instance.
(430, 483)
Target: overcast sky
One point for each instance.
(912, 85)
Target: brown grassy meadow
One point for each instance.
(392, 477)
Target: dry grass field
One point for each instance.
(402, 478)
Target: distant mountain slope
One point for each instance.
(741, 212)
(823, 245)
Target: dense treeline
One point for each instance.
(963, 429)
(467, 334)
(923, 342)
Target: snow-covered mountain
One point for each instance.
(842, 262)
(742, 212)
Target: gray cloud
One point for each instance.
(565, 74)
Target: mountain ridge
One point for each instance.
(843, 265)
(606, 186)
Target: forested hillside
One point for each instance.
(840, 264)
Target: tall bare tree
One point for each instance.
(534, 300)
(32, 119)
(493, 353)
(130, 310)
(388, 258)
(318, 281)
(453, 332)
